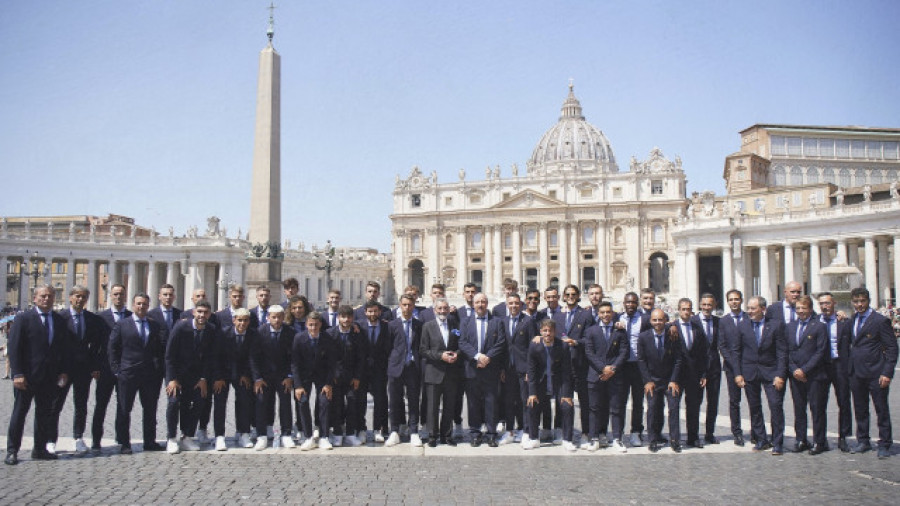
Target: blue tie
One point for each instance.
(660, 346)
(481, 325)
(168, 318)
(800, 329)
(756, 330)
(79, 331)
(549, 370)
(569, 321)
(860, 319)
(372, 334)
(409, 355)
(144, 331)
(688, 337)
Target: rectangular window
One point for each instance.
(778, 143)
(553, 239)
(810, 148)
(890, 150)
(507, 241)
(448, 201)
(475, 199)
(416, 200)
(552, 194)
(793, 146)
(798, 199)
(530, 237)
(656, 187)
(858, 149)
(826, 148)
(873, 150)
(587, 193)
(505, 195)
(842, 148)
(553, 258)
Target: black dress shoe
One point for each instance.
(153, 446)
(801, 446)
(654, 446)
(762, 446)
(713, 440)
(738, 440)
(662, 441)
(492, 441)
(11, 459)
(817, 449)
(861, 448)
(842, 445)
(448, 441)
(753, 440)
(476, 441)
(125, 450)
(432, 442)
(676, 446)
(696, 443)
(43, 455)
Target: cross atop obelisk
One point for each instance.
(265, 198)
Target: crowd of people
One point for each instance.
(518, 366)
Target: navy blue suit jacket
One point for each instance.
(729, 338)
(86, 352)
(766, 361)
(30, 352)
(317, 364)
(351, 355)
(660, 371)
(399, 345)
(270, 360)
(130, 359)
(561, 373)
(188, 360)
(377, 356)
(237, 356)
(157, 314)
(873, 352)
(519, 341)
(696, 359)
(600, 352)
(714, 364)
(809, 355)
(581, 320)
(494, 347)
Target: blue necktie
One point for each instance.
(756, 330)
(409, 355)
(709, 329)
(168, 318)
(481, 325)
(660, 346)
(688, 337)
(79, 331)
(144, 331)
(800, 329)
(372, 334)
(569, 321)
(606, 334)
(860, 319)
(549, 370)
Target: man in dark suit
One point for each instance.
(438, 291)
(633, 324)
(137, 349)
(510, 287)
(375, 381)
(333, 304)
(314, 364)
(761, 357)
(521, 329)
(235, 302)
(107, 382)
(837, 367)
(551, 297)
(807, 343)
(261, 311)
(784, 311)
(373, 292)
(439, 349)
(648, 302)
(239, 340)
(270, 363)
(193, 362)
(166, 313)
(729, 337)
(709, 323)
(660, 361)
(291, 287)
(873, 357)
(549, 378)
(404, 375)
(606, 350)
(198, 295)
(352, 352)
(695, 348)
(572, 322)
(87, 330)
(39, 355)
(532, 301)
(482, 346)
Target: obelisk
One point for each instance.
(265, 254)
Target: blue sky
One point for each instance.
(147, 108)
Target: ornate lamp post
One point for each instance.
(36, 273)
(328, 263)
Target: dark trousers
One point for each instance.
(565, 413)
(43, 396)
(635, 384)
(80, 384)
(512, 399)
(184, 407)
(265, 404)
(734, 403)
(655, 405)
(243, 409)
(106, 385)
(581, 390)
(775, 399)
(323, 409)
(457, 415)
(812, 394)
(220, 409)
(840, 379)
(406, 387)
(481, 395)
(862, 389)
(693, 399)
(377, 388)
(437, 393)
(148, 390)
(343, 410)
(713, 387)
(607, 401)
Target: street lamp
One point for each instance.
(36, 272)
(329, 264)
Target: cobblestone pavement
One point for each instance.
(371, 474)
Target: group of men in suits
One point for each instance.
(515, 366)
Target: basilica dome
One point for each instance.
(572, 144)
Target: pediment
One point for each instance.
(528, 199)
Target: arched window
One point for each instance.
(659, 272)
(778, 176)
(845, 178)
(828, 176)
(417, 274)
(875, 177)
(812, 175)
(796, 176)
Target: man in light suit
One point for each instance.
(695, 348)
(549, 378)
(660, 361)
(482, 345)
(729, 338)
(166, 313)
(837, 370)
(404, 374)
(710, 325)
(873, 357)
(137, 348)
(606, 350)
(761, 357)
(807, 343)
(39, 347)
(107, 382)
(439, 349)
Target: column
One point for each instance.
(517, 255)
(152, 280)
(189, 283)
(853, 254)
(222, 288)
(789, 274)
(171, 274)
(692, 285)
(544, 275)
(574, 256)
(92, 285)
(111, 279)
(840, 255)
(765, 280)
(70, 279)
(740, 267)
(462, 273)
(434, 270)
(871, 271)
(727, 273)
(5, 269)
(488, 275)
(400, 261)
(131, 288)
(497, 289)
(562, 239)
(602, 262)
(815, 263)
(884, 276)
(896, 269)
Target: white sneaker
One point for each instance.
(557, 436)
(415, 440)
(80, 447)
(618, 446)
(172, 446)
(244, 441)
(379, 437)
(506, 438)
(270, 432)
(188, 444)
(325, 444)
(530, 444)
(288, 442)
(352, 441)
(585, 444)
(261, 444)
(51, 448)
(316, 433)
(501, 427)
(309, 444)
(569, 446)
(518, 438)
(635, 440)
(201, 437)
(220, 444)
(591, 447)
(393, 439)
(336, 441)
